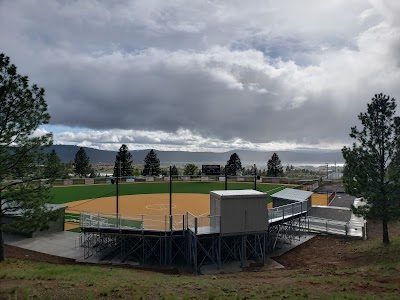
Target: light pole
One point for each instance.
(170, 190)
(226, 178)
(255, 177)
(117, 181)
(326, 171)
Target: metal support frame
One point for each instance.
(88, 244)
(216, 249)
(188, 246)
(204, 249)
(162, 249)
(285, 232)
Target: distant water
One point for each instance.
(263, 165)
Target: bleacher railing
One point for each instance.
(287, 211)
(194, 223)
(335, 227)
(134, 222)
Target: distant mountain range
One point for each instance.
(297, 157)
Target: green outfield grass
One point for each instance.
(73, 193)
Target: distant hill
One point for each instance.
(67, 153)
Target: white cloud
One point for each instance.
(246, 74)
(182, 140)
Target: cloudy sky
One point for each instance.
(205, 75)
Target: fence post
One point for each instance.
(345, 228)
(170, 222)
(195, 225)
(365, 230)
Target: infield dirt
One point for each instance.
(154, 204)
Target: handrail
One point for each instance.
(287, 211)
(328, 220)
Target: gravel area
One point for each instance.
(339, 188)
(342, 200)
(342, 215)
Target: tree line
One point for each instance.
(123, 166)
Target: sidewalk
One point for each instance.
(60, 244)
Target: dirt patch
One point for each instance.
(146, 204)
(70, 225)
(324, 267)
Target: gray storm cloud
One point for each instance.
(289, 72)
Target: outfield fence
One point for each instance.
(180, 178)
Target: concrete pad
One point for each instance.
(63, 244)
(272, 264)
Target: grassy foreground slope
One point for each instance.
(73, 193)
(323, 268)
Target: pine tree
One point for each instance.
(190, 169)
(54, 168)
(82, 163)
(151, 164)
(275, 168)
(372, 167)
(22, 110)
(234, 165)
(123, 162)
(174, 171)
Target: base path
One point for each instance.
(147, 204)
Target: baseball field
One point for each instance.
(145, 198)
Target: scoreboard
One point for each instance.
(211, 169)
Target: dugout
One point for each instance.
(289, 196)
(12, 217)
(241, 211)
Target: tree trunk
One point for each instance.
(2, 250)
(385, 232)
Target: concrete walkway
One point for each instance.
(63, 244)
(285, 247)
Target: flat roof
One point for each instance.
(292, 194)
(234, 193)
